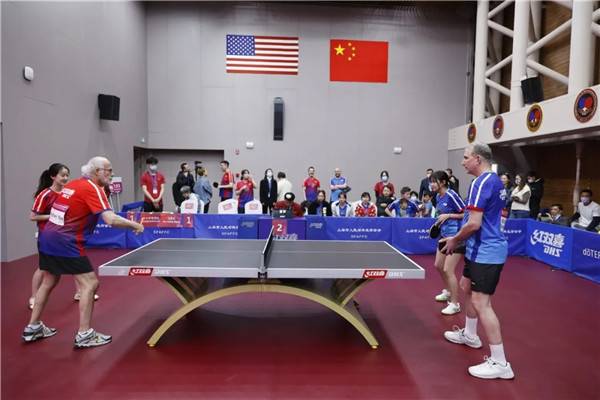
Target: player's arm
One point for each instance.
(388, 210)
(116, 221)
(145, 190)
(38, 217)
(162, 192)
(473, 225)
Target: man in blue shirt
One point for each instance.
(412, 210)
(486, 251)
(338, 184)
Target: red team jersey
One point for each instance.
(226, 180)
(43, 204)
(153, 185)
(311, 190)
(370, 211)
(73, 217)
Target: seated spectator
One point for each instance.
(320, 206)
(411, 208)
(288, 203)
(202, 188)
(189, 205)
(554, 216)
(342, 208)
(385, 199)
(427, 205)
(365, 208)
(520, 198)
(283, 186)
(587, 215)
(384, 182)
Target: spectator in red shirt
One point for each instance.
(244, 190)
(384, 182)
(73, 218)
(226, 185)
(288, 203)
(311, 186)
(365, 208)
(153, 186)
(50, 185)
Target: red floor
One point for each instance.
(271, 346)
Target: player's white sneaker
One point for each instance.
(444, 296)
(490, 369)
(458, 336)
(451, 309)
(92, 339)
(31, 334)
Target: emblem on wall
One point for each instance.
(534, 117)
(471, 133)
(498, 127)
(585, 105)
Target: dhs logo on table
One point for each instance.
(553, 242)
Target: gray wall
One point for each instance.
(77, 51)
(193, 103)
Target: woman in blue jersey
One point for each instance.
(449, 209)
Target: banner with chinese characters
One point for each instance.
(550, 244)
(159, 226)
(215, 226)
(107, 237)
(515, 231)
(411, 235)
(359, 228)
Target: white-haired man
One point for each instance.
(73, 216)
(486, 251)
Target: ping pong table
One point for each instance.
(329, 273)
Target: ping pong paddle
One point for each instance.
(434, 231)
(215, 185)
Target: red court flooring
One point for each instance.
(277, 347)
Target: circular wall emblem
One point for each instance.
(471, 133)
(534, 117)
(498, 126)
(585, 106)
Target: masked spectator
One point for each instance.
(425, 183)
(537, 192)
(153, 186)
(384, 182)
(588, 213)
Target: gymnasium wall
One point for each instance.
(194, 104)
(77, 50)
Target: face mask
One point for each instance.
(384, 178)
(153, 168)
(530, 180)
(413, 198)
(269, 175)
(585, 200)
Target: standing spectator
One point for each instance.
(342, 208)
(311, 186)
(385, 199)
(384, 182)
(555, 216)
(153, 186)
(72, 219)
(412, 208)
(537, 192)
(338, 184)
(365, 208)
(184, 178)
(520, 198)
(427, 205)
(268, 191)
(505, 178)
(202, 188)
(587, 215)
(226, 185)
(283, 186)
(244, 189)
(288, 203)
(320, 206)
(453, 182)
(425, 183)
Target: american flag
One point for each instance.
(248, 54)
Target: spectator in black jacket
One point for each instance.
(537, 192)
(453, 182)
(555, 216)
(184, 178)
(425, 183)
(320, 206)
(268, 191)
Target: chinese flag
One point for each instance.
(358, 61)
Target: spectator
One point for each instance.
(244, 190)
(338, 185)
(190, 204)
(453, 182)
(153, 186)
(520, 198)
(384, 182)
(425, 183)
(587, 215)
(342, 208)
(537, 192)
(288, 203)
(226, 185)
(384, 200)
(365, 208)
(202, 188)
(427, 205)
(184, 178)
(411, 208)
(311, 186)
(320, 206)
(508, 186)
(555, 216)
(268, 191)
(283, 186)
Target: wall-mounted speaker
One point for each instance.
(532, 90)
(109, 106)
(278, 118)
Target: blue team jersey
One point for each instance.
(411, 210)
(449, 203)
(487, 195)
(335, 194)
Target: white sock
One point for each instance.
(85, 333)
(35, 325)
(497, 351)
(471, 327)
